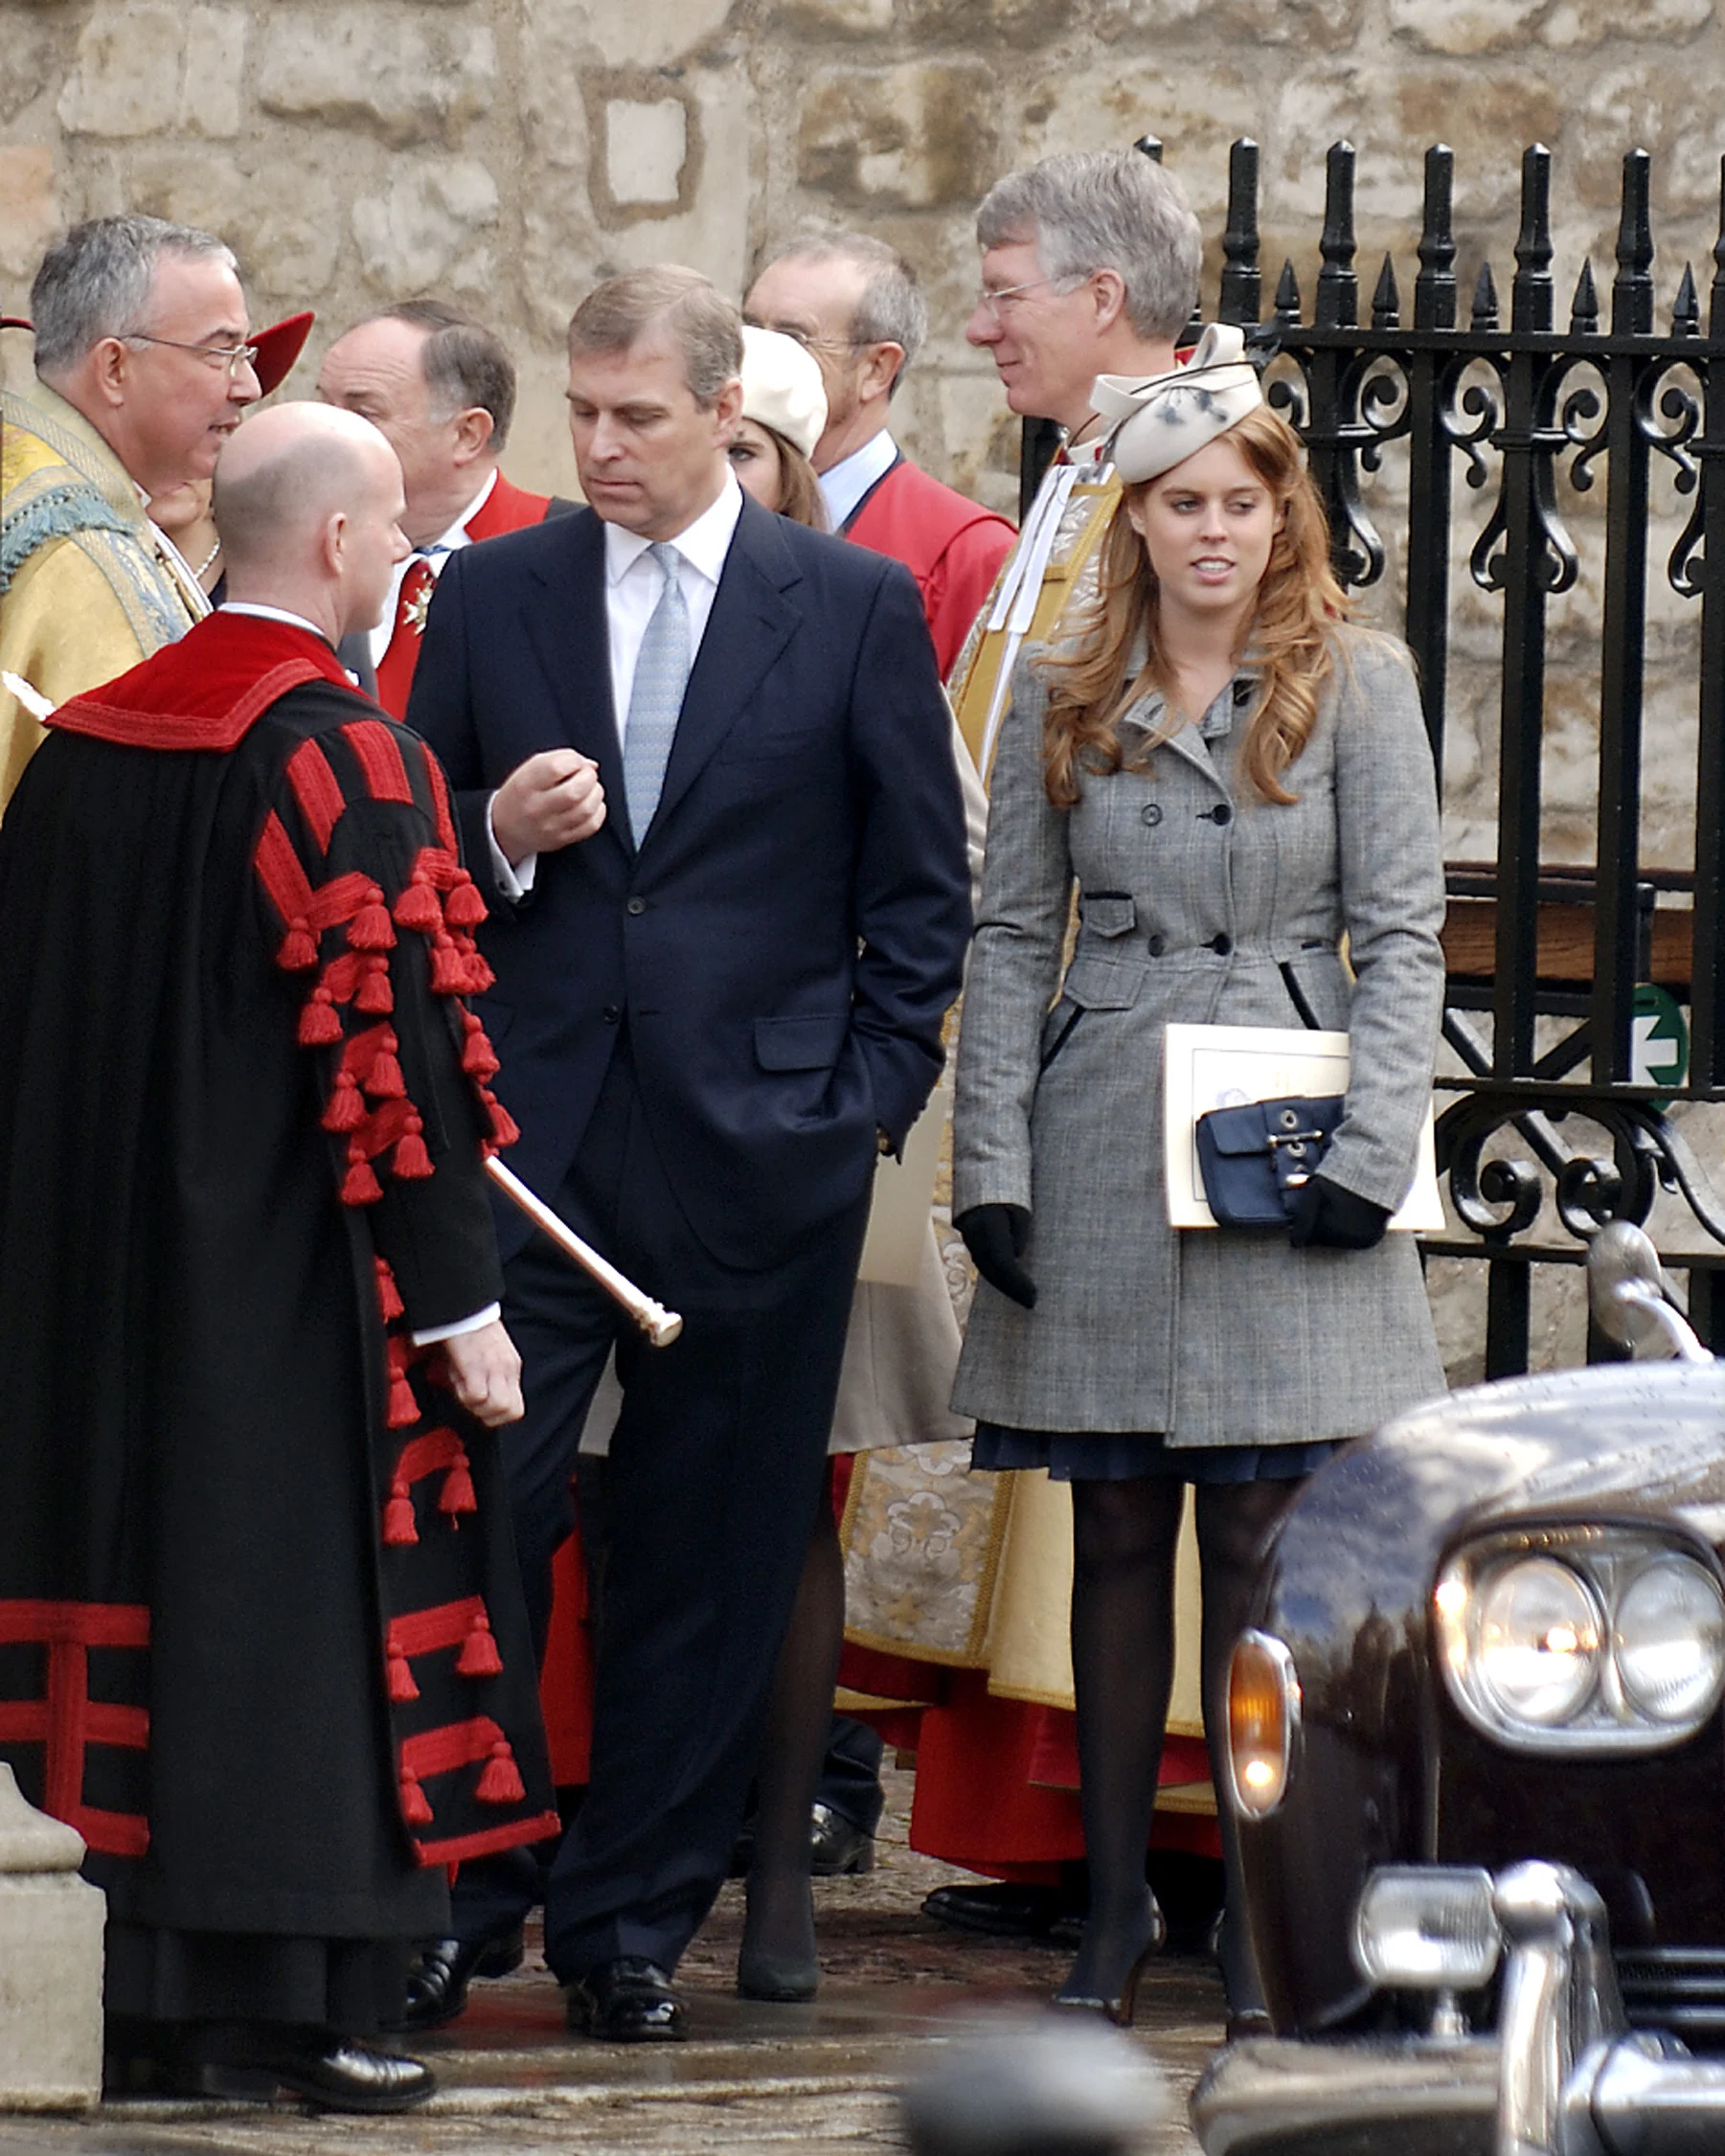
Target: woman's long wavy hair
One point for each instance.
(1091, 684)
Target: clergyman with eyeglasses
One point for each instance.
(1089, 267)
(143, 369)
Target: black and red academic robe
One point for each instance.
(951, 545)
(262, 1639)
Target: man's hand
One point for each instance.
(552, 801)
(485, 1371)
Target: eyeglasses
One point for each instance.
(992, 299)
(231, 357)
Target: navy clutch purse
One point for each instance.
(1255, 1157)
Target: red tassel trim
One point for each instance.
(359, 1186)
(479, 1656)
(464, 908)
(505, 1129)
(415, 1810)
(404, 1407)
(319, 1025)
(402, 1686)
(375, 997)
(418, 906)
(501, 1783)
(371, 928)
(448, 967)
(299, 947)
(344, 1110)
(411, 1163)
(480, 976)
(479, 1058)
(400, 1527)
(389, 1295)
(456, 1493)
(384, 1080)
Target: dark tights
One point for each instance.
(1125, 1539)
(780, 1915)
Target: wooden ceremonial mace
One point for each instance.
(660, 1324)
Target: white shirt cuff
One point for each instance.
(514, 879)
(480, 1319)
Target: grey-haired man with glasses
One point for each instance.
(144, 366)
(1089, 267)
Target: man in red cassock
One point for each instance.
(441, 388)
(261, 1638)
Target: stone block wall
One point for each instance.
(508, 152)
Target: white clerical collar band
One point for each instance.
(1158, 420)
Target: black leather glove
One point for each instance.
(995, 1235)
(1327, 1218)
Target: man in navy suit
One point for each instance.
(703, 753)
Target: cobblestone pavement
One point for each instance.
(814, 2080)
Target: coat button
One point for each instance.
(635, 906)
(1221, 813)
(1221, 945)
(1158, 944)
(1152, 814)
(612, 1013)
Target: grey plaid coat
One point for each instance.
(1198, 901)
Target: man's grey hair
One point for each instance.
(464, 364)
(891, 308)
(704, 328)
(97, 282)
(1115, 209)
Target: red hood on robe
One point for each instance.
(205, 690)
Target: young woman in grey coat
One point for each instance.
(1233, 781)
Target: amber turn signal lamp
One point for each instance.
(1263, 1719)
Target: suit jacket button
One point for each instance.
(635, 906)
(1158, 944)
(1150, 814)
(1221, 813)
(612, 1013)
(1221, 945)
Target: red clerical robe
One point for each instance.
(505, 508)
(261, 1636)
(952, 546)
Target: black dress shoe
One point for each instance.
(437, 1984)
(332, 2072)
(1002, 1909)
(628, 2001)
(838, 1847)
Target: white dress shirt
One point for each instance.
(492, 1311)
(434, 557)
(633, 587)
(843, 487)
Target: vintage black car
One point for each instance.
(1478, 1751)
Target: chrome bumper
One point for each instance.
(1563, 2075)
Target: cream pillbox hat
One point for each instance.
(1158, 420)
(781, 387)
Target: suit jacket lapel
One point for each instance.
(753, 619)
(564, 617)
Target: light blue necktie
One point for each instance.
(661, 676)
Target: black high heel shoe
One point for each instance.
(1121, 2009)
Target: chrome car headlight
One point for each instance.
(1578, 1637)
(1669, 1638)
(1537, 1643)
